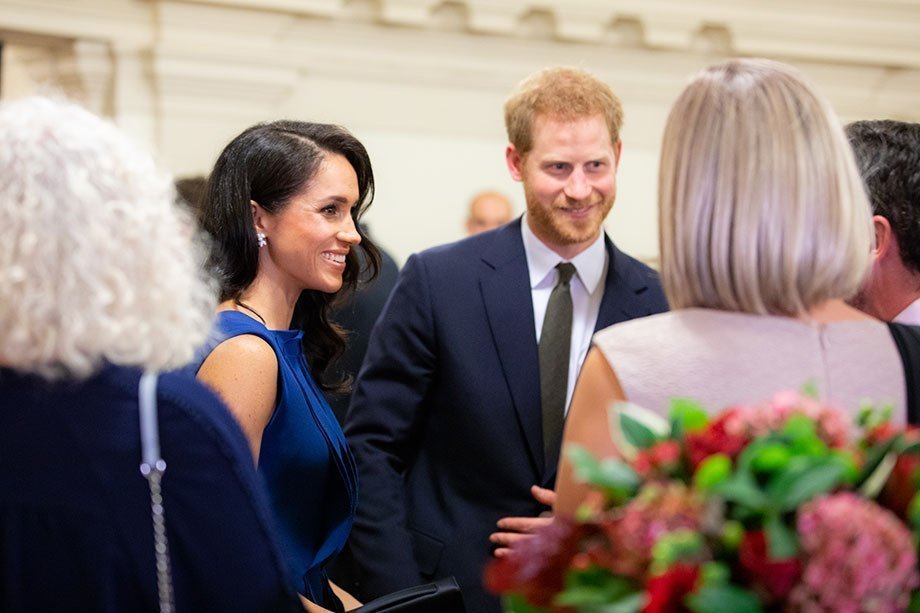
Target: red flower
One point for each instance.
(775, 577)
(536, 566)
(666, 592)
(661, 458)
(901, 486)
(880, 433)
(718, 437)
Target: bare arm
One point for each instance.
(243, 370)
(587, 425)
(347, 599)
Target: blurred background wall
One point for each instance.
(422, 82)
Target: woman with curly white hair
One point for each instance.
(100, 277)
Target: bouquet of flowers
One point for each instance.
(790, 505)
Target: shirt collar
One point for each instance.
(910, 315)
(541, 260)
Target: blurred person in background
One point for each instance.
(888, 157)
(488, 210)
(192, 190)
(101, 279)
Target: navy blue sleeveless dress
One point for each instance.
(304, 460)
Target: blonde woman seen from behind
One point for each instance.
(101, 281)
(765, 231)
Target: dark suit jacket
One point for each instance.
(358, 316)
(445, 420)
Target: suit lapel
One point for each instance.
(506, 294)
(622, 290)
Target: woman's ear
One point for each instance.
(258, 216)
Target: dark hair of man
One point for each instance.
(192, 190)
(888, 157)
(270, 163)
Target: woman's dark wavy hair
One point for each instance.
(270, 163)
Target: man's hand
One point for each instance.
(513, 529)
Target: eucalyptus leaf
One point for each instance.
(597, 589)
(741, 489)
(799, 484)
(782, 542)
(723, 598)
(633, 603)
(876, 480)
(652, 421)
(515, 603)
(875, 456)
(638, 434)
(609, 474)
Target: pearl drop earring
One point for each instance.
(261, 238)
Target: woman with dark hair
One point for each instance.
(282, 208)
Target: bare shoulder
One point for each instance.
(246, 358)
(243, 370)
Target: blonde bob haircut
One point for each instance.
(564, 94)
(97, 263)
(761, 207)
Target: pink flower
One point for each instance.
(658, 508)
(856, 556)
(832, 425)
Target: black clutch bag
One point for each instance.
(442, 596)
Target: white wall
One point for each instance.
(422, 82)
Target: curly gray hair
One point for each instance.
(97, 262)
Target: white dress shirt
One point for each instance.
(910, 315)
(587, 288)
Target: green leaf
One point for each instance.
(874, 456)
(876, 480)
(712, 471)
(913, 511)
(715, 572)
(799, 427)
(652, 421)
(810, 389)
(638, 434)
(802, 482)
(593, 586)
(782, 542)
(632, 603)
(914, 606)
(723, 598)
(742, 489)
(609, 474)
(771, 458)
(685, 416)
(673, 547)
(910, 448)
(515, 603)
(732, 534)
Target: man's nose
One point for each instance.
(577, 186)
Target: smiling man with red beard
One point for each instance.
(457, 414)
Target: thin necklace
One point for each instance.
(240, 303)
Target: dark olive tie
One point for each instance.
(555, 345)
